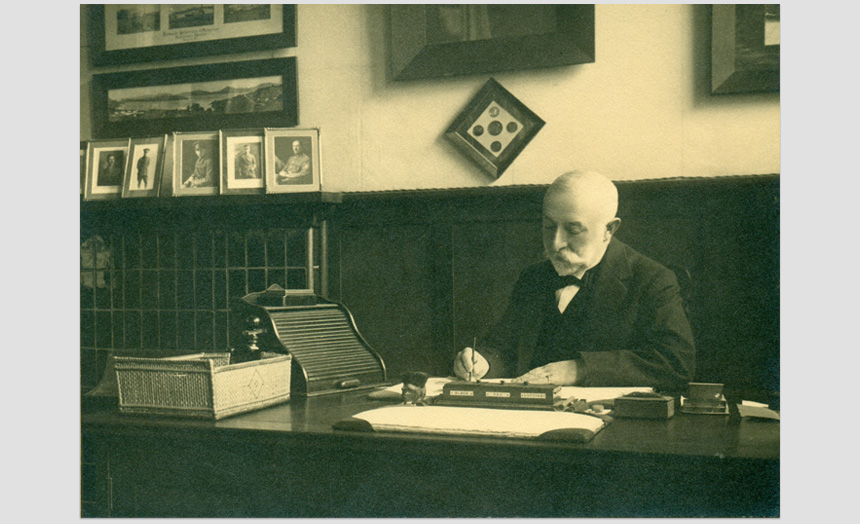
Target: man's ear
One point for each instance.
(611, 228)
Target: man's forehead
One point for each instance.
(563, 218)
(567, 205)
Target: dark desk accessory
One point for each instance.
(644, 405)
(704, 399)
(329, 354)
(414, 389)
(247, 349)
(510, 395)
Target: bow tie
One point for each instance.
(569, 280)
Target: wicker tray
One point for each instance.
(200, 385)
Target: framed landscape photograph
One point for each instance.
(256, 93)
(242, 162)
(128, 33)
(293, 160)
(106, 160)
(144, 167)
(196, 164)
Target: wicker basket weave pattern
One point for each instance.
(200, 385)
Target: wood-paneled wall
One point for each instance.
(423, 272)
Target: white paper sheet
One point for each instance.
(476, 421)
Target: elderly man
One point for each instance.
(596, 313)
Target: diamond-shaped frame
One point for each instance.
(494, 128)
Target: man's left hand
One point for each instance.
(561, 373)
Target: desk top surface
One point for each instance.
(313, 418)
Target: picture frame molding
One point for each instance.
(83, 158)
(740, 62)
(94, 151)
(203, 120)
(241, 44)
(413, 56)
(156, 163)
(179, 139)
(272, 181)
(458, 131)
(230, 184)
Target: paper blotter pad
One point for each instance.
(484, 422)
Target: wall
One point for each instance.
(641, 111)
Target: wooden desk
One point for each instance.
(287, 461)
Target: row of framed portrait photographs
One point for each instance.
(232, 162)
(273, 160)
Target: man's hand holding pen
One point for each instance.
(470, 365)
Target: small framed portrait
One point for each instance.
(144, 167)
(242, 162)
(293, 160)
(196, 164)
(106, 160)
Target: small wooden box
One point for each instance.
(660, 407)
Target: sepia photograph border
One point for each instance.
(156, 164)
(153, 80)
(458, 132)
(236, 44)
(113, 191)
(412, 57)
(229, 139)
(179, 139)
(273, 184)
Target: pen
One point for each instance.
(474, 358)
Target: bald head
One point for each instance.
(589, 190)
(579, 220)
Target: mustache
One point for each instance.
(563, 255)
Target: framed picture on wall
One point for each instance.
(494, 128)
(744, 48)
(196, 164)
(106, 161)
(128, 33)
(440, 40)
(256, 93)
(242, 162)
(143, 170)
(293, 160)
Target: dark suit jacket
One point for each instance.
(635, 332)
